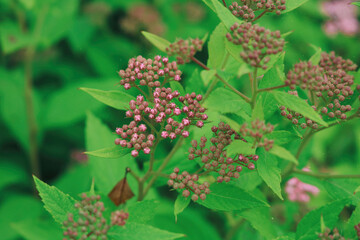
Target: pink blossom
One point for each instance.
(139, 98)
(142, 128)
(177, 111)
(127, 86)
(128, 114)
(299, 191)
(151, 137)
(177, 78)
(118, 131)
(137, 118)
(185, 134)
(186, 121)
(200, 124)
(172, 136)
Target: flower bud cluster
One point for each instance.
(330, 235)
(256, 130)
(184, 49)
(189, 185)
(148, 72)
(215, 158)
(119, 217)
(163, 110)
(296, 118)
(246, 9)
(298, 191)
(357, 229)
(328, 84)
(142, 17)
(257, 42)
(91, 221)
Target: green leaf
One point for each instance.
(298, 105)
(70, 105)
(115, 99)
(56, 18)
(354, 220)
(216, 47)
(230, 102)
(180, 204)
(15, 208)
(210, 4)
(293, 4)
(137, 231)
(234, 50)
(11, 37)
(13, 106)
(142, 212)
(356, 4)
(315, 59)
(239, 147)
(341, 188)
(269, 171)
(309, 226)
(260, 219)
(281, 137)
(11, 174)
(177, 86)
(57, 203)
(111, 152)
(157, 41)
(225, 15)
(99, 136)
(258, 111)
(274, 76)
(35, 229)
(283, 153)
(225, 197)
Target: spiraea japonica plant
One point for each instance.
(236, 133)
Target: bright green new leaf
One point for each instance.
(283, 153)
(356, 4)
(225, 197)
(310, 225)
(269, 171)
(157, 41)
(298, 105)
(137, 231)
(57, 203)
(239, 147)
(115, 99)
(111, 152)
(180, 204)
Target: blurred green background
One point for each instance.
(63, 45)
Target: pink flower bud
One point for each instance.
(169, 120)
(151, 137)
(200, 124)
(134, 153)
(185, 134)
(127, 86)
(137, 118)
(123, 143)
(186, 121)
(204, 117)
(146, 150)
(117, 141)
(165, 60)
(158, 119)
(119, 131)
(186, 109)
(142, 128)
(129, 114)
(177, 111)
(140, 98)
(172, 136)
(161, 72)
(164, 134)
(177, 78)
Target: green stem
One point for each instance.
(162, 166)
(254, 83)
(271, 88)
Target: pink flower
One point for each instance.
(151, 137)
(139, 98)
(186, 121)
(299, 191)
(165, 60)
(118, 131)
(177, 78)
(137, 118)
(127, 86)
(172, 136)
(161, 72)
(128, 114)
(204, 117)
(200, 124)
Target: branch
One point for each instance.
(222, 80)
(258, 17)
(271, 88)
(324, 175)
